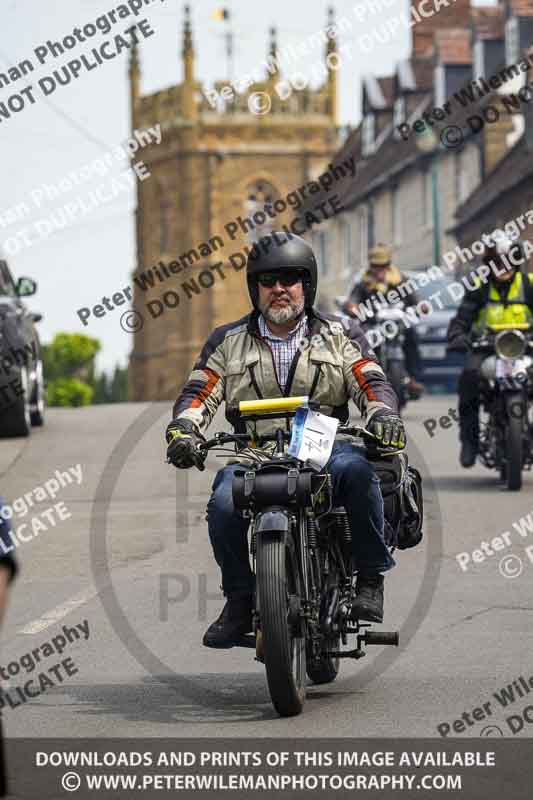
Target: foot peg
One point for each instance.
(369, 638)
(383, 637)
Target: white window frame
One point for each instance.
(440, 85)
(479, 59)
(512, 41)
(399, 111)
(369, 134)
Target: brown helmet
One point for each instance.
(379, 256)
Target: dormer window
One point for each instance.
(512, 41)
(479, 59)
(399, 111)
(369, 134)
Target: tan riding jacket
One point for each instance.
(335, 363)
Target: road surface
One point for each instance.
(134, 565)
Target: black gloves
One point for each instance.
(387, 428)
(183, 440)
(460, 343)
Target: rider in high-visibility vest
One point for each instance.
(505, 299)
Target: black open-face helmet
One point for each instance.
(275, 253)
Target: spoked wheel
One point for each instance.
(325, 669)
(282, 629)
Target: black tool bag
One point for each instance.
(401, 487)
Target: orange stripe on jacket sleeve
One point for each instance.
(360, 378)
(204, 393)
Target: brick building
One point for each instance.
(470, 60)
(212, 167)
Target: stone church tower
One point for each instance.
(213, 166)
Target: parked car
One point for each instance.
(440, 370)
(21, 368)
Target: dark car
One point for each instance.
(440, 370)
(21, 368)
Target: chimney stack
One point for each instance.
(455, 15)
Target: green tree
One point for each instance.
(69, 392)
(119, 385)
(101, 389)
(68, 363)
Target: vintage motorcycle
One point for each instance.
(300, 546)
(390, 326)
(506, 391)
(386, 334)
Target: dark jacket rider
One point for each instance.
(283, 348)
(382, 276)
(506, 299)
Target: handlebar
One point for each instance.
(228, 438)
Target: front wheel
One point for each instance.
(282, 628)
(513, 455)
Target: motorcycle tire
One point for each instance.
(278, 588)
(396, 376)
(513, 455)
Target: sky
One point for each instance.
(79, 128)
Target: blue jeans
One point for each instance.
(355, 486)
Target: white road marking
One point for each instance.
(57, 613)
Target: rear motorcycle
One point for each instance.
(390, 351)
(506, 393)
(386, 335)
(300, 547)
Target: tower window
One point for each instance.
(260, 222)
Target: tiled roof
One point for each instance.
(515, 167)
(452, 46)
(488, 22)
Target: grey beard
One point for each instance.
(281, 315)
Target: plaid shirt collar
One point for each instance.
(266, 333)
(284, 350)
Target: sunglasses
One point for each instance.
(269, 279)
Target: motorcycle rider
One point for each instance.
(382, 276)
(506, 298)
(285, 347)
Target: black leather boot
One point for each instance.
(368, 604)
(233, 623)
(468, 454)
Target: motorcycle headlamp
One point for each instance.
(510, 344)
